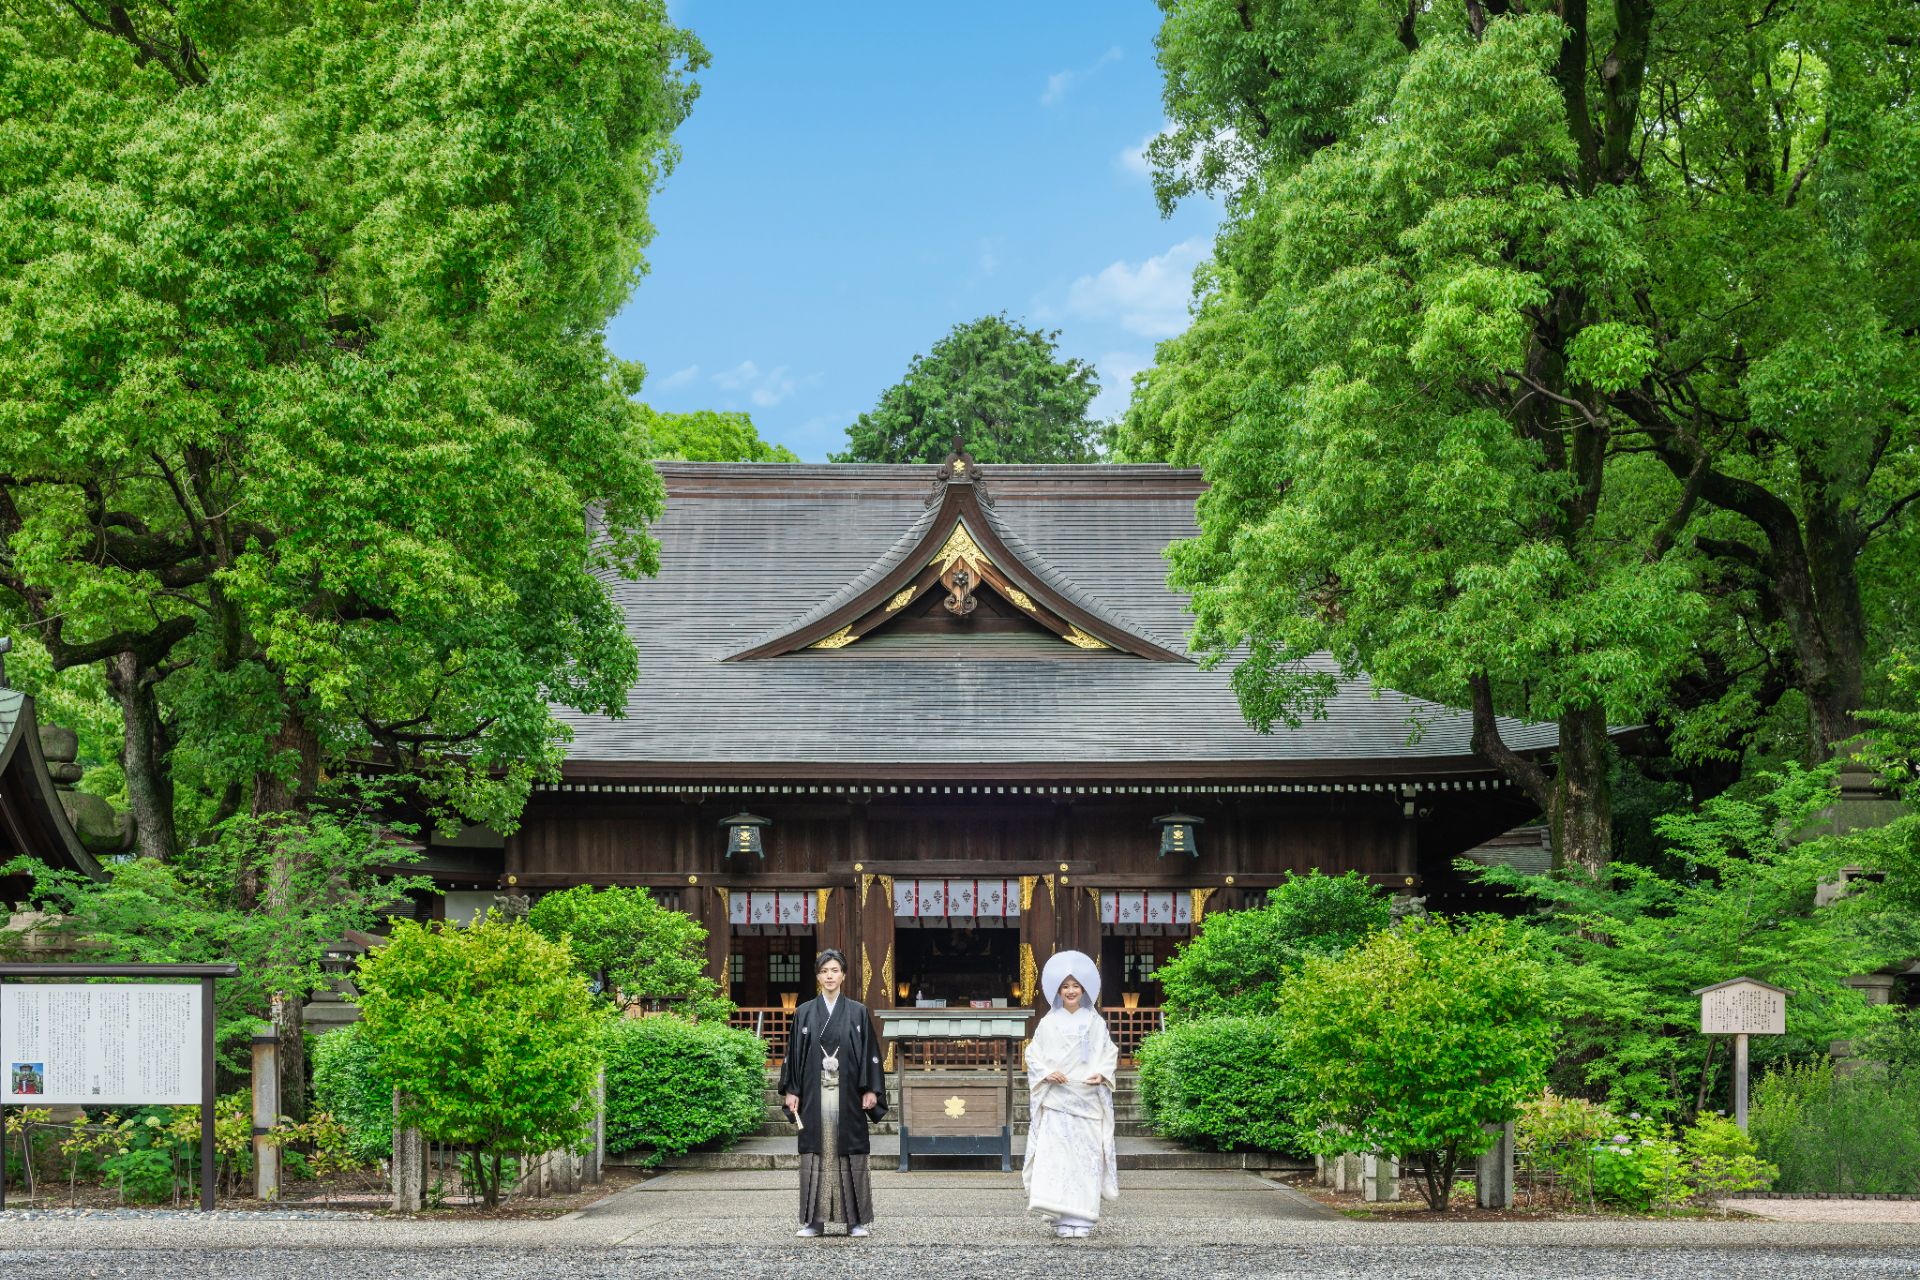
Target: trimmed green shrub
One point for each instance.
(1222, 1083)
(642, 954)
(1415, 1040)
(1857, 1134)
(347, 1085)
(673, 1085)
(1238, 962)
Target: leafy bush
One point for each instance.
(1413, 1041)
(490, 1036)
(1560, 1135)
(1721, 1160)
(1634, 945)
(642, 953)
(1238, 961)
(1640, 1169)
(349, 1087)
(1221, 1082)
(673, 1085)
(1857, 1134)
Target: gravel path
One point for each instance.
(1053, 1262)
(1184, 1225)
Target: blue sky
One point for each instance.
(858, 178)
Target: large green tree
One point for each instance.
(1556, 362)
(1001, 387)
(303, 395)
(707, 435)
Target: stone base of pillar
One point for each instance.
(1379, 1178)
(409, 1170)
(1493, 1171)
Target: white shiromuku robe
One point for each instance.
(1070, 1165)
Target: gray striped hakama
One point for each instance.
(845, 1194)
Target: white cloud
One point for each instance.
(678, 378)
(1116, 383)
(762, 389)
(1133, 159)
(1061, 83)
(1149, 299)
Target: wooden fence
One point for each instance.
(775, 1026)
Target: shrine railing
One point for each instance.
(1128, 1027)
(775, 1026)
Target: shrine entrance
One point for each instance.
(957, 965)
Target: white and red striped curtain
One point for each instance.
(956, 899)
(1146, 910)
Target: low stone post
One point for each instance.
(409, 1165)
(1346, 1171)
(594, 1162)
(1379, 1178)
(1493, 1171)
(266, 1114)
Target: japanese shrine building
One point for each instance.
(959, 697)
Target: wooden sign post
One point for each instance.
(1742, 1007)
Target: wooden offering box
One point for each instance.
(939, 1117)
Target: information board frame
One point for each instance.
(205, 974)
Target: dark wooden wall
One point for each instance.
(572, 839)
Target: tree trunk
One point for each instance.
(1836, 689)
(1581, 813)
(294, 771)
(143, 754)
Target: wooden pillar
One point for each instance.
(832, 907)
(875, 971)
(708, 905)
(1039, 935)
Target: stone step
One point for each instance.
(1122, 1128)
(1135, 1153)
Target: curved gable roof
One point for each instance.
(746, 543)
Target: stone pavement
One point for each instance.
(1133, 1153)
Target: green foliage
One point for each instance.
(351, 1095)
(145, 1175)
(1239, 960)
(305, 388)
(1633, 947)
(269, 896)
(673, 1085)
(1411, 1042)
(1856, 1133)
(489, 1034)
(999, 386)
(709, 436)
(643, 954)
(1221, 1082)
(1567, 387)
(1639, 1169)
(1560, 1135)
(1721, 1160)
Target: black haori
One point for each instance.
(833, 1140)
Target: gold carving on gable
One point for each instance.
(959, 546)
(1020, 598)
(901, 601)
(838, 640)
(1080, 639)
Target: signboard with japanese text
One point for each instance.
(1743, 1007)
(94, 1044)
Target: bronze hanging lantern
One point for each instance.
(1177, 833)
(743, 834)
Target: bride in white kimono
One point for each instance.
(1071, 1063)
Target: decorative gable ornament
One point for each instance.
(958, 553)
